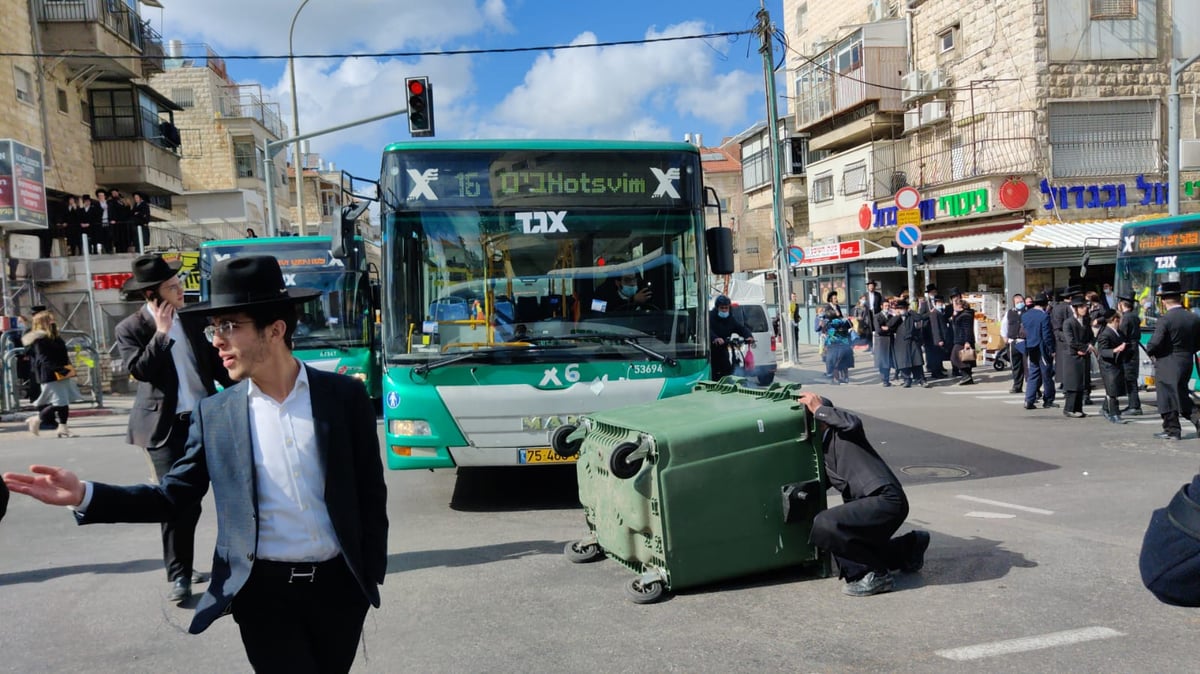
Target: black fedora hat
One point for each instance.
(930, 286)
(1079, 301)
(150, 271)
(1126, 298)
(1170, 288)
(240, 283)
(1041, 299)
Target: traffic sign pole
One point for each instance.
(912, 291)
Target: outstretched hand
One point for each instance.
(50, 484)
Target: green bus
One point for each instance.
(499, 329)
(336, 330)
(1148, 253)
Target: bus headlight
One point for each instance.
(361, 376)
(409, 427)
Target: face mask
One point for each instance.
(940, 306)
(723, 314)
(629, 291)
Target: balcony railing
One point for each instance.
(246, 101)
(987, 144)
(117, 16)
(821, 92)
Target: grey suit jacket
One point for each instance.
(219, 452)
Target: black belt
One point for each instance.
(297, 572)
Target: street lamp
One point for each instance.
(296, 128)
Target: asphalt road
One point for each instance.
(1036, 523)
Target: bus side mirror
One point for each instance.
(1083, 264)
(343, 231)
(375, 296)
(719, 241)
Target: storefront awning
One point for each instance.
(1098, 234)
(974, 243)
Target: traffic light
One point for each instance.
(420, 107)
(901, 255)
(924, 252)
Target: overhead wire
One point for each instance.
(406, 54)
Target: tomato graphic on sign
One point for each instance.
(1014, 194)
(865, 216)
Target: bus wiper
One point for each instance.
(424, 368)
(622, 339)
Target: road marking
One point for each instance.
(983, 515)
(1025, 644)
(975, 392)
(1002, 504)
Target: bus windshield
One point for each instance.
(339, 317)
(497, 247)
(1156, 251)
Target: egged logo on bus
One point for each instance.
(542, 222)
(547, 423)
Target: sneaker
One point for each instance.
(1166, 436)
(872, 583)
(1116, 419)
(916, 554)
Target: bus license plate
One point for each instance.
(542, 455)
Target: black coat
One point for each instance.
(147, 356)
(1112, 365)
(883, 344)
(1173, 345)
(962, 326)
(726, 327)
(852, 466)
(47, 355)
(1131, 330)
(1060, 313)
(1073, 367)
(908, 332)
(1170, 556)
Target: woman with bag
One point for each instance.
(962, 327)
(53, 370)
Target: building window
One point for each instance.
(24, 84)
(64, 105)
(751, 245)
(849, 57)
(243, 158)
(756, 164)
(947, 39)
(822, 188)
(854, 178)
(184, 97)
(85, 112)
(114, 114)
(1114, 9)
(802, 18)
(795, 156)
(1104, 138)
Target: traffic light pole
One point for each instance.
(271, 147)
(908, 258)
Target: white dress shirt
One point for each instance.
(191, 387)
(293, 520)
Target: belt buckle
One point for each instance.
(295, 574)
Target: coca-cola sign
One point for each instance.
(833, 252)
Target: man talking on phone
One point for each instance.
(175, 367)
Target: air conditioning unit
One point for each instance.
(937, 80)
(50, 270)
(912, 85)
(912, 119)
(934, 111)
(1189, 155)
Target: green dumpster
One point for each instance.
(716, 484)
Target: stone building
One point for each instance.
(224, 125)
(1032, 129)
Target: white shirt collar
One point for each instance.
(301, 381)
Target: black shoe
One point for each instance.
(181, 590)
(887, 384)
(1166, 436)
(872, 583)
(200, 577)
(916, 555)
(1088, 401)
(1030, 406)
(1132, 412)
(1116, 419)
(1074, 415)
(907, 384)
(1047, 406)
(1015, 390)
(966, 382)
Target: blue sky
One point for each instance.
(653, 92)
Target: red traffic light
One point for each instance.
(416, 87)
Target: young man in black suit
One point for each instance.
(292, 454)
(1173, 345)
(174, 368)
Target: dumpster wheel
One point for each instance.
(618, 463)
(644, 593)
(583, 552)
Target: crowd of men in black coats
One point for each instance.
(112, 223)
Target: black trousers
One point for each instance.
(721, 366)
(294, 623)
(178, 535)
(49, 414)
(1017, 359)
(858, 533)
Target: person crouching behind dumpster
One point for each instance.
(858, 533)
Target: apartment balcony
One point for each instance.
(137, 164)
(993, 144)
(842, 92)
(107, 39)
(246, 102)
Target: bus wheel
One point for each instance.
(639, 593)
(578, 552)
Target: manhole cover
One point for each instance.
(944, 472)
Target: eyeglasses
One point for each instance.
(223, 329)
